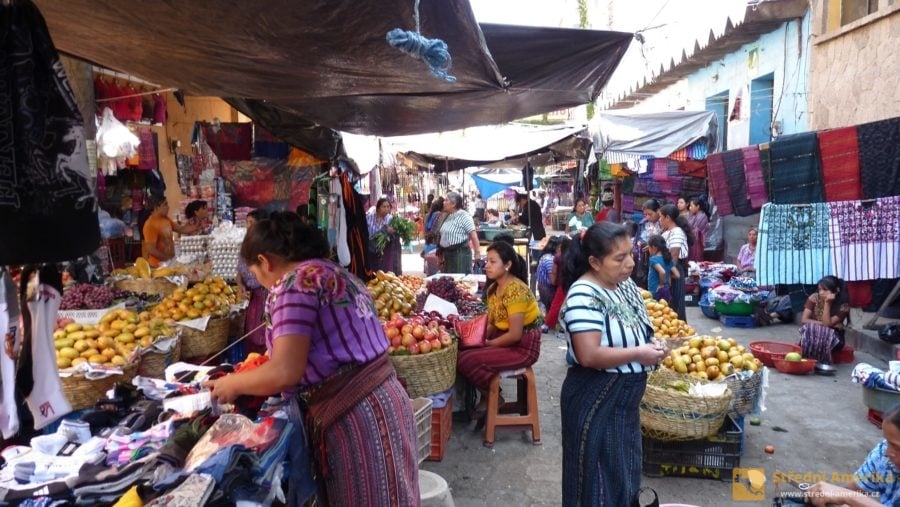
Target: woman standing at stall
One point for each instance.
(699, 222)
(514, 323)
(581, 219)
(247, 282)
(327, 347)
(610, 351)
(458, 240)
(679, 238)
(380, 231)
(197, 215)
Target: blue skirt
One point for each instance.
(601, 437)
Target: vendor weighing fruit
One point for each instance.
(159, 246)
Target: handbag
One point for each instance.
(472, 332)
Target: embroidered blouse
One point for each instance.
(516, 298)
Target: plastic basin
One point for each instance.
(880, 400)
(802, 367)
(735, 309)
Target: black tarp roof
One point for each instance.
(295, 67)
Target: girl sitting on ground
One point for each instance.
(825, 316)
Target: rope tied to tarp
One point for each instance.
(433, 52)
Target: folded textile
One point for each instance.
(193, 492)
(95, 481)
(718, 185)
(872, 377)
(839, 151)
(879, 158)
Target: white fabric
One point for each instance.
(9, 416)
(676, 238)
(865, 239)
(343, 248)
(47, 402)
(652, 134)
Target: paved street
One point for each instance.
(817, 424)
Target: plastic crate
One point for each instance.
(441, 428)
(843, 356)
(711, 458)
(422, 412)
(737, 321)
(875, 417)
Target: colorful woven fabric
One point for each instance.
(879, 158)
(147, 149)
(796, 176)
(693, 186)
(753, 173)
(695, 168)
(737, 184)
(699, 150)
(865, 238)
(718, 185)
(794, 244)
(839, 151)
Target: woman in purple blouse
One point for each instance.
(327, 347)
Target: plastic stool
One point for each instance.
(843, 356)
(522, 412)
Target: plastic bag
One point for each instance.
(472, 332)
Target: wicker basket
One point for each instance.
(745, 393)
(236, 324)
(159, 286)
(84, 393)
(154, 363)
(669, 414)
(426, 374)
(196, 343)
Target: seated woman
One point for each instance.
(824, 316)
(492, 218)
(746, 256)
(875, 482)
(514, 323)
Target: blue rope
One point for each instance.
(432, 51)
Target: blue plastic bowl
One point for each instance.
(709, 310)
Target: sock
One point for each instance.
(75, 431)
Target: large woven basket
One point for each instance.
(745, 393)
(669, 414)
(84, 393)
(426, 374)
(154, 363)
(159, 286)
(196, 343)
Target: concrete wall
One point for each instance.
(784, 53)
(855, 68)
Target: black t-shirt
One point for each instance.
(535, 221)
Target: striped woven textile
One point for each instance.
(660, 169)
(718, 185)
(796, 176)
(733, 161)
(879, 158)
(753, 172)
(839, 150)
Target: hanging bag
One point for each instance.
(48, 211)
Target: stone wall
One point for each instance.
(855, 70)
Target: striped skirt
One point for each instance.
(480, 365)
(819, 341)
(601, 437)
(373, 452)
(677, 302)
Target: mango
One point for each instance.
(105, 342)
(141, 332)
(97, 359)
(81, 346)
(71, 328)
(59, 334)
(77, 335)
(117, 360)
(63, 362)
(108, 353)
(130, 328)
(93, 333)
(68, 353)
(63, 343)
(117, 324)
(109, 317)
(78, 360)
(89, 352)
(125, 338)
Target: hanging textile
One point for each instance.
(229, 141)
(48, 211)
(865, 238)
(733, 162)
(839, 150)
(794, 244)
(267, 145)
(357, 230)
(765, 160)
(9, 325)
(879, 158)
(796, 177)
(718, 184)
(147, 149)
(753, 173)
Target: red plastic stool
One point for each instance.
(875, 417)
(843, 356)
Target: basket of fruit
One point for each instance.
(210, 299)
(679, 407)
(141, 279)
(101, 346)
(423, 352)
(666, 323)
(392, 294)
(768, 351)
(159, 354)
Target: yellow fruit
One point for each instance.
(712, 361)
(93, 333)
(97, 359)
(680, 367)
(80, 346)
(68, 353)
(146, 341)
(71, 328)
(723, 357)
(110, 333)
(117, 360)
(143, 268)
(130, 328)
(89, 352)
(125, 338)
(63, 362)
(63, 343)
(78, 360)
(59, 334)
(108, 353)
(141, 331)
(117, 324)
(105, 342)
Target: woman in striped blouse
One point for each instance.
(459, 242)
(610, 351)
(679, 238)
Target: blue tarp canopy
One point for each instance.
(493, 181)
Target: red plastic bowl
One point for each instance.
(801, 367)
(768, 351)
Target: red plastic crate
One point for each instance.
(441, 427)
(875, 417)
(843, 356)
